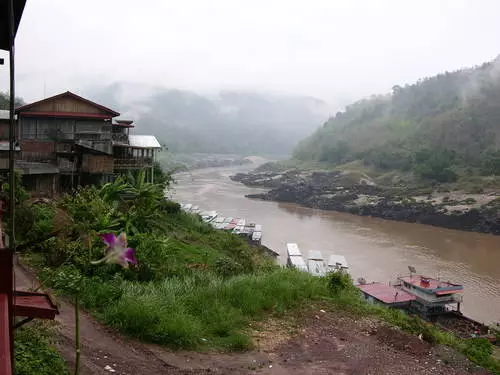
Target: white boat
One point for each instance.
(256, 236)
(316, 263)
(195, 209)
(292, 249)
(298, 262)
(257, 228)
(337, 263)
(208, 217)
(294, 257)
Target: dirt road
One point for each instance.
(318, 342)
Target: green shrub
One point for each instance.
(227, 267)
(34, 353)
(478, 350)
(475, 189)
(170, 207)
(339, 281)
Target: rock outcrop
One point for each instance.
(337, 191)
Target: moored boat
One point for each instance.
(337, 263)
(208, 216)
(294, 257)
(316, 263)
(430, 298)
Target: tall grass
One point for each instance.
(201, 310)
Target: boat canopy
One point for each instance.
(293, 249)
(337, 261)
(298, 262)
(315, 255)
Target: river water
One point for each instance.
(376, 249)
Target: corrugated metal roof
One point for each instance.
(5, 114)
(143, 141)
(386, 293)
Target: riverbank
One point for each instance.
(359, 195)
(195, 288)
(319, 337)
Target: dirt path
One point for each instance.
(320, 342)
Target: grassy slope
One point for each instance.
(203, 310)
(164, 300)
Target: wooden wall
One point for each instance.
(66, 104)
(97, 164)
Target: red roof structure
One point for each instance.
(428, 285)
(385, 293)
(64, 114)
(124, 123)
(69, 94)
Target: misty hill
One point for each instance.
(228, 122)
(432, 128)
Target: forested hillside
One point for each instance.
(433, 128)
(228, 122)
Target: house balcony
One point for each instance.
(119, 138)
(100, 146)
(133, 163)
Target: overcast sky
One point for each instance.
(331, 49)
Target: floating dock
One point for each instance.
(434, 300)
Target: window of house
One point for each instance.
(44, 130)
(66, 129)
(29, 128)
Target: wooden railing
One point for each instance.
(138, 162)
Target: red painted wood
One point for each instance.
(5, 332)
(6, 316)
(64, 114)
(34, 305)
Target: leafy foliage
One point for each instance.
(5, 100)
(34, 353)
(429, 127)
(339, 281)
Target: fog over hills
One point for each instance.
(237, 122)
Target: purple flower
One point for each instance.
(116, 250)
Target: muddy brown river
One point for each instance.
(375, 249)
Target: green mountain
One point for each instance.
(432, 128)
(228, 122)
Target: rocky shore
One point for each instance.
(345, 192)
